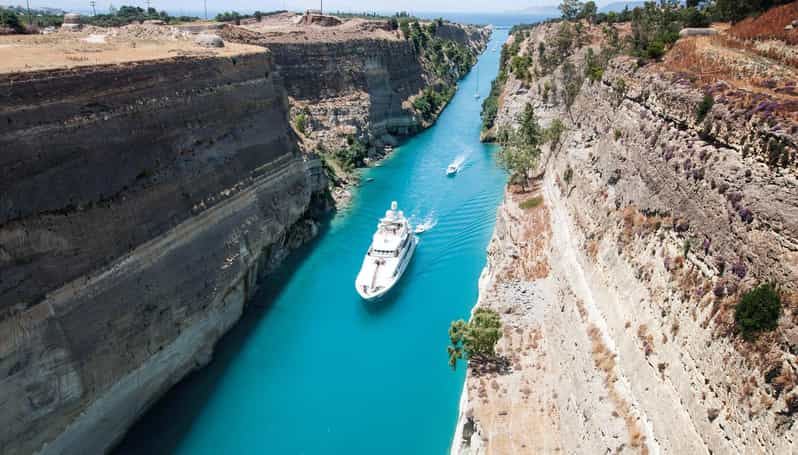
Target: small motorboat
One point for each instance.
(420, 229)
(452, 169)
(370, 179)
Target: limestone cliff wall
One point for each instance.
(138, 205)
(379, 74)
(360, 87)
(618, 291)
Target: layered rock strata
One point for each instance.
(138, 204)
(617, 291)
(359, 87)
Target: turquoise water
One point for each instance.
(312, 369)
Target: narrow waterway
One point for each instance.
(312, 369)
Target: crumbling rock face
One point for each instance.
(139, 203)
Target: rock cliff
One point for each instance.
(139, 204)
(146, 184)
(617, 289)
(360, 87)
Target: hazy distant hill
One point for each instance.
(552, 10)
(619, 6)
(541, 11)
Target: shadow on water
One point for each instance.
(379, 306)
(203, 382)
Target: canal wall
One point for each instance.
(617, 291)
(140, 203)
(362, 87)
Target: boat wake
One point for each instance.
(460, 160)
(425, 224)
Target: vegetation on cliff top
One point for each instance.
(656, 25)
(132, 14)
(490, 106)
(448, 61)
(15, 19)
(475, 339)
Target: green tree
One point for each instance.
(456, 333)
(553, 134)
(9, 19)
(572, 80)
(475, 339)
(516, 157)
(570, 9)
(759, 310)
(654, 27)
(589, 11)
(736, 10)
(404, 27)
(529, 129)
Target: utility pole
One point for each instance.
(321, 6)
(93, 10)
(30, 18)
(205, 5)
(149, 3)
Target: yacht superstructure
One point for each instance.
(391, 249)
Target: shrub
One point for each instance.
(531, 203)
(593, 66)
(430, 101)
(553, 134)
(694, 17)
(351, 156)
(9, 19)
(704, 107)
(759, 310)
(300, 122)
(568, 175)
(739, 269)
(655, 50)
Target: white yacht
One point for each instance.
(390, 252)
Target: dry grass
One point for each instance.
(769, 25)
(604, 360)
(646, 338)
(532, 262)
(592, 249)
(685, 57)
(637, 224)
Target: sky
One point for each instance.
(175, 6)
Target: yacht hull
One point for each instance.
(376, 295)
